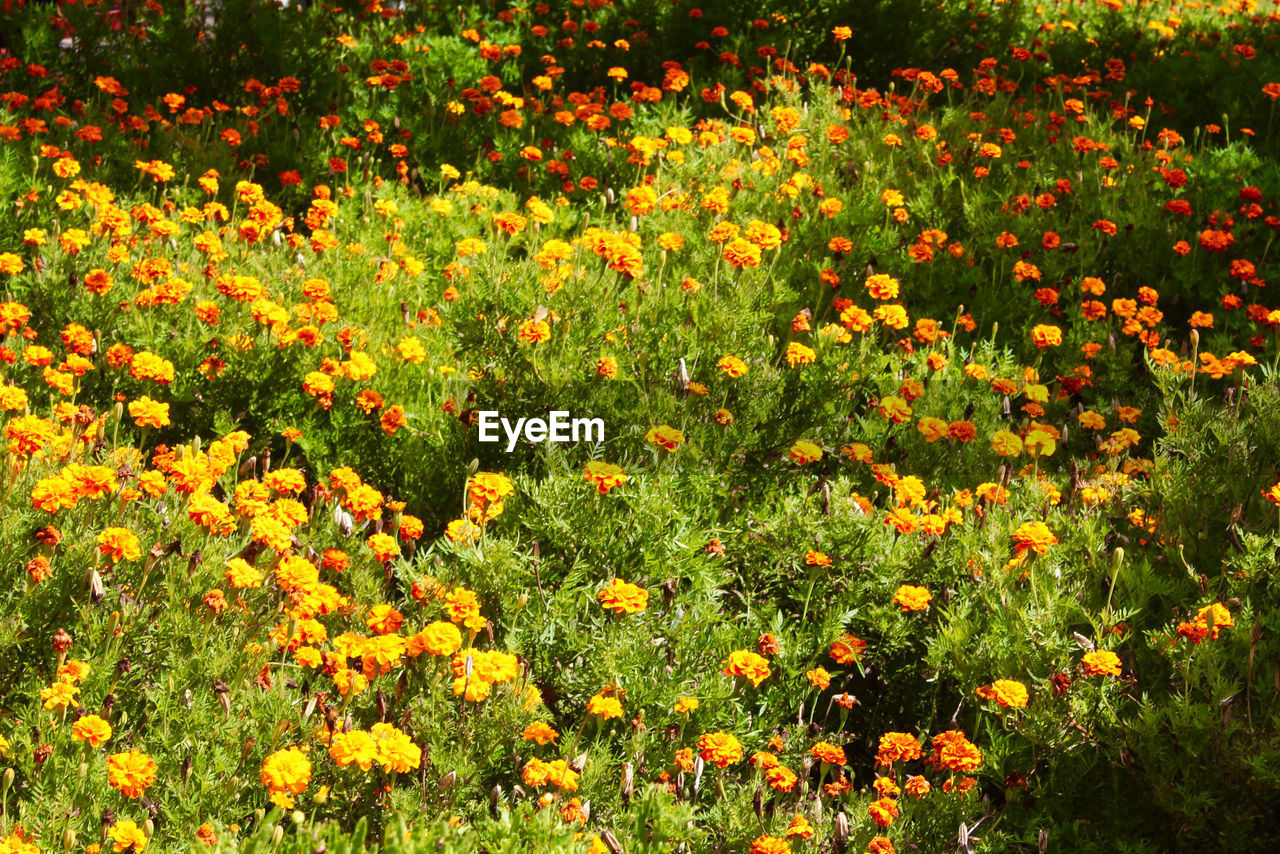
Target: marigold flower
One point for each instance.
(720, 748)
(883, 811)
(780, 778)
(750, 665)
(800, 355)
(954, 752)
(624, 598)
(437, 638)
(396, 751)
(1044, 336)
(1035, 536)
(847, 649)
(206, 835)
(130, 772)
(1006, 444)
(606, 708)
(1007, 692)
(287, 771)
(355, 746)
(59, 695)
(770, 845)
(912, 598)
(540, 733)
(1100, 663)
(383, 546)
(119, 544)
(917, 786)
(665, 437)
(605, 476)
(830, 753)
(127, 836)
(897, 747)
(804, 452)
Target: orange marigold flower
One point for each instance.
(819, 678)
(540, 733)
(750, 665)
(130, 772)
(954, 752)
(119, 544)
(1044, 336)
(898, 747)
(1035, 536)
(720, 748)
(826, 752)
(770, 845)
(883, 811)
(91, 728)
(847, 649)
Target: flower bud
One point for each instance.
(841, 838)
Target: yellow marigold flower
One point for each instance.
(437, 638)
(1006, 444)
(1101, 663)
(750, 665)
(127, 836)
(240, 574)
(1007, 692)
(800, 355)
(605, 476)
(606, 708)
(665, 437)
(396, 751)
(286, 770)
(60, 695)
(912, 598)
(624, 598)
(92, 729)
(804, 452)
(119, 544)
